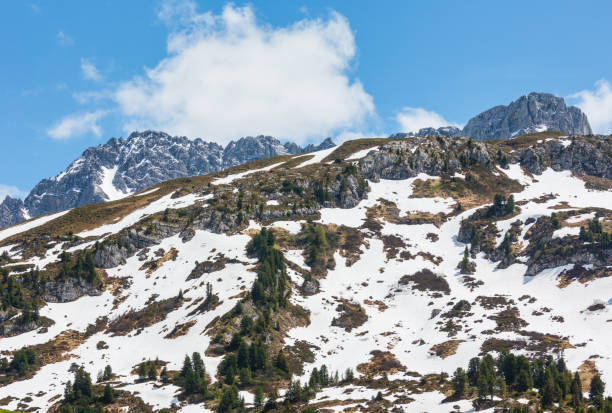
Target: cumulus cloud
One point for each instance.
(90, 71)
(230, 75)
(597, 104)
(77, 124)
(12, 191)
(413, 119)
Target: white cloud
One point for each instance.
(12, 191)
(597, 104)
(90, 71)
(229, 75)
(413, 119)
(63, 39)
(77, 124)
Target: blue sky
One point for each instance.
(75, 73)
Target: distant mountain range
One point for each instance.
(536, 112)
(121, 167)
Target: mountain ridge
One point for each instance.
(123, 166)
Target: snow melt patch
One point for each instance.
(361, 154)
(112, 193)
(318, 157)
(10, 231)
(154, 207)
(231, 178)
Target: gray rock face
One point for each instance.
(123, 166)
(535, 112)
(12, 211)
(583, 157)
(451, 131)
(406, 159)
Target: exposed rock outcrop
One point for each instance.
(531, 113)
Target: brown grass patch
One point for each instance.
(445, 349)
(145, 317)
(352, 315)
(379, 304)
(426, 280)
(478, 188)
(587, 371)
(154, 265)
(180, 329)
(380, 362)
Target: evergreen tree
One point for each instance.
(576, 390)
(259, 397)
(597, 387)
(108, 373)
(459, 382)
(109, 394)
(243, 355)
(281, 362)
(82, 383)
(548, 393)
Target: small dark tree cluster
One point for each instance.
(23, 361)
(501, 206)
(595, 234)
(518, 375)
(80, 397)
(192, 377)
(270, 288)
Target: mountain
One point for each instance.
(122, 167)
(429, 274)
(536, 112)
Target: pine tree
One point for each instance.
(108, 373)
(109, 394)
(142, 371)
(243, 355)
(281, 362)
(259, 397)
(459, 382)
(597, 387)
(548, 392)
(576, 390)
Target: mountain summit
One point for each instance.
(535, 112)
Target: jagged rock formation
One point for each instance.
(580, 156)
(124, 166)
(12, 211)
(536, 112)
(451, 131)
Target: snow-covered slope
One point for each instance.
(385, 295)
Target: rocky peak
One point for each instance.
(536, 112)
(12, 211)
(251, 148)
